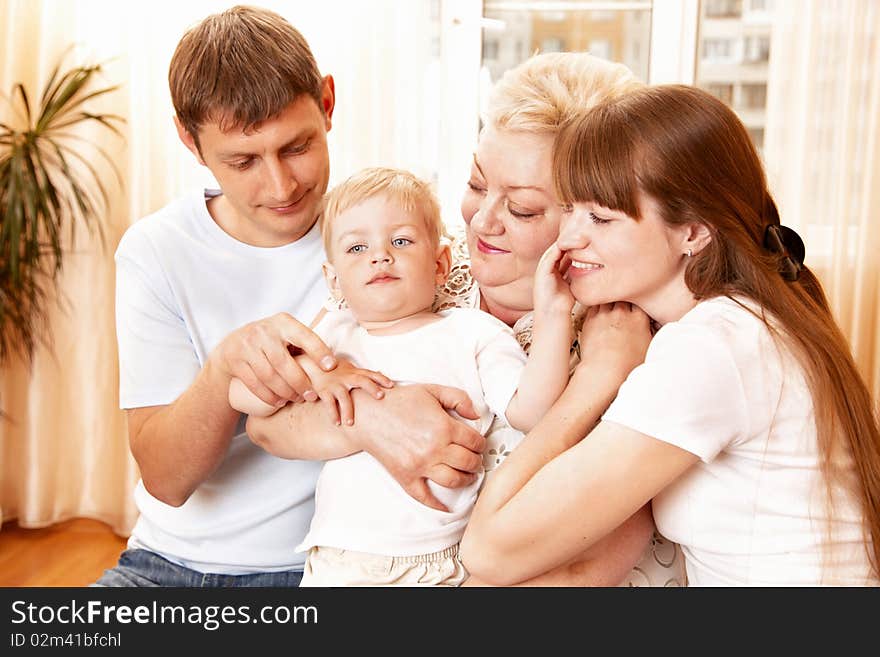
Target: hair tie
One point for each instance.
(786, 243)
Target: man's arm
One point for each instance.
(409, 432)
(179, 445)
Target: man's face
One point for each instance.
(272, 176)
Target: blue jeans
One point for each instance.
(145, 568)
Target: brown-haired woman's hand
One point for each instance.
(614, 340)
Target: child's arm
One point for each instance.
(546, 372)
(244, 401)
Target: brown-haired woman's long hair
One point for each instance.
(691, 154)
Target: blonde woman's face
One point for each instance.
(510, 209)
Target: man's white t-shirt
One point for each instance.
(183, 284)
(359, 506)
(752, 511)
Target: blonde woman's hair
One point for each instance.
(399, 186)
(550, 89)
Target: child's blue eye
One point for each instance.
(357, 248)
(400, 241)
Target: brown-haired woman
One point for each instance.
(748, 424)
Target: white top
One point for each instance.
(752, 510)
(182, 285)
(359, 506)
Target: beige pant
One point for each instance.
(327, 566)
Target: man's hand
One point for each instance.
(411, 433)
(261, 354)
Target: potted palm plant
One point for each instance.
(48, 184)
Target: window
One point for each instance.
(597, 27)
(733, 58)
(553, 16)
(552, 44)
(723, 8)
(753, 96)
(716, 49)
(756, 49)
(490, 49)
(757, 135)
(723, 92)
(601, 48)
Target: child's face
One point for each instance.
(383, 261)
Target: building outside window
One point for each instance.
(734, 52)
(722, 8)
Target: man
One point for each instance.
(221, 284)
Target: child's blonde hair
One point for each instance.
(549, 89)
(412, 193)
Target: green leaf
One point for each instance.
(48, 184)
(70, 107)
(109, 160)
(103, 119)
(24, 99)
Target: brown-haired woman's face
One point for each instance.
(510, 207)
(615, 257)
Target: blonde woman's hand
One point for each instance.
(552, 296)
(614, 340)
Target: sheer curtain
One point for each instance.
(63, 446)
(822, 150)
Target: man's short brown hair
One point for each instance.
(240, 67)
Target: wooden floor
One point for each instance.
(72, 553)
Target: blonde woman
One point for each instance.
(512, 214)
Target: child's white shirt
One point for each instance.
(358, 505)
